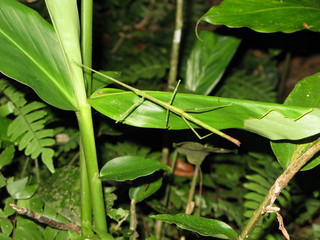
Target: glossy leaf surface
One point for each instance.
(129, 168)
(267, 15)
(30, 54)
(203, 226)
(304, 94)
(221, 113)
(208, 60)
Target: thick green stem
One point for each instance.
(89, 147)
(86, 40)
(172, 81)
(281, 182)
(86, 212)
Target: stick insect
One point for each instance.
(170, 108)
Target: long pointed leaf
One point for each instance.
(221, 113)
(31, 54)
(203, 226)
(208, 60)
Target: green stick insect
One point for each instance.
(170, 108)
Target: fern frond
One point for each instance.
(243, 86)
(27, 129)
(266, 170)
(148, 67)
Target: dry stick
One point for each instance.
(42, 219)
(281, 182)
(166, 105)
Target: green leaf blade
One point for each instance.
(295, 122)
(267, 16)
(203, 226)
(31, 54)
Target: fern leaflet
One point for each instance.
(27, 130)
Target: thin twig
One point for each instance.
(48, 221)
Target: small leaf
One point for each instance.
(98, 81)
(267, 16)
(144, 190)
(19, 189)
(26, 227)
(6, 156)
(6, 226)
(129, 168)
(203, 226)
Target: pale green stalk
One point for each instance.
(86, 40)
(64, 15)
(172, 80)
(86, 48)
(86, 212)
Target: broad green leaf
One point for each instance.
(203, 226)
(31, 54)
(221, 113)
(61, 192)
(129, 168)
(267, 15)
(208, 60)
(304, 94)
(144, 190)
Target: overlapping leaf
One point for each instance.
(267, 15)
(31, 54)
(274, 121)
(304, 94)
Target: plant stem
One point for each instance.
(172, 81)
(133, 220)
(281, 182)
(190, 203)
(86, 40)
(86, 208)
(89, 148)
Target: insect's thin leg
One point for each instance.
(124, 115)
(195, 132)
(171, 101)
